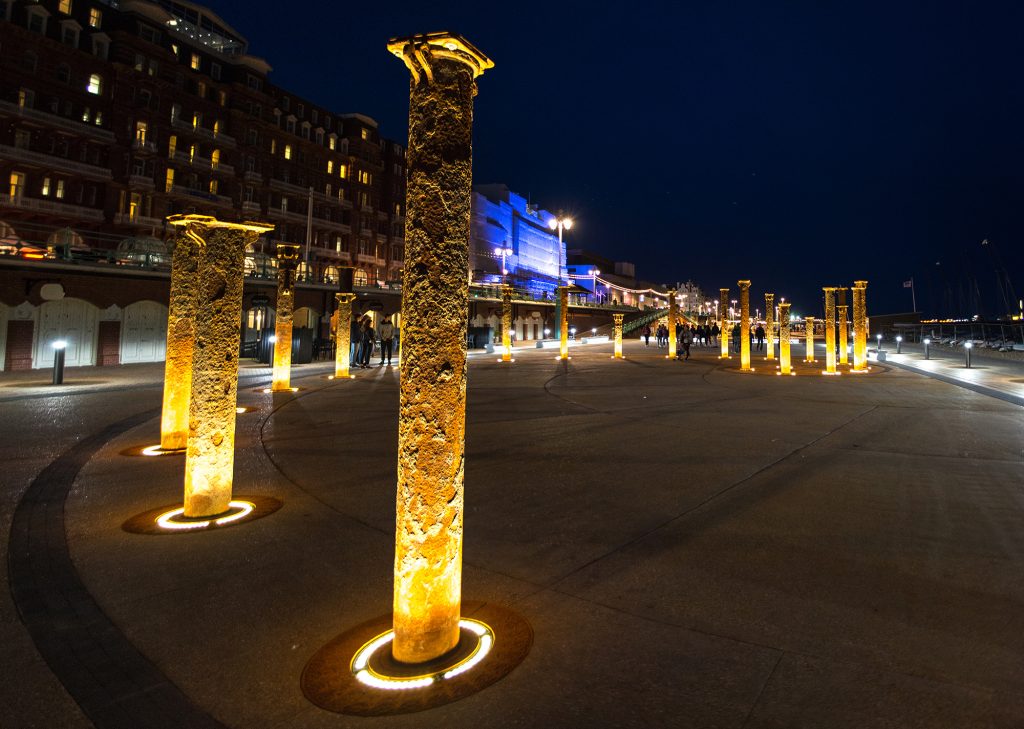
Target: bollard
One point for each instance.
(58, 361)
(899, 345)
(968, 346)
(927, 348)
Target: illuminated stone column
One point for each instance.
(210, 456)
(617, 326)
(723, 319)
(844, 335)
(343, 336)
(287, 262)
(672, 315)
(809, 332)
(563, 325)
(860, 323)
(744, 325)
(830, 330)
(506, 323)
(432, 395)
(784, 360)
(181, 316)
(769, 325)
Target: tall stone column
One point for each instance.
(844, 336)
(830, 330)
(343, 336)
(617, 328)
(860, 326)
(506, 323)
(744, 325)
(672, 316)
(785, 365)
(723, 320)
(210, 456)
(432, 395)
(563, 325)
(809, 333)
(769, 325)
(287, 262)
(181, 316)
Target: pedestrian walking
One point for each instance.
(368, 338)
(387, 340)
(759, 333)
(647, 335)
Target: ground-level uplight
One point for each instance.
(58, 361)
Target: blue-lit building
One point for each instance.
(504, 221)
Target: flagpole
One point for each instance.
(913, 296)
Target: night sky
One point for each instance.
(798, 144)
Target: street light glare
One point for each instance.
(553, 223)
(567, 223)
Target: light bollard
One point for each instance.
(181, 316)
(506, 323)
(769, 325)
(287, 262)
(809, 334)
(785, 366)
(563, 331)
(744, 325)
(899, 344)
(927, 348)
(830, 330)
(209, 457)
(59, 347)
(723, 321)
(968, 346)
(432, 394)
(860, 327)
(672, 314)
(617, 328)
(343, 336)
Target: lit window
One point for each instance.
(191, 153)
(46, 186)
(197, 120)
(64, 6)
(330, 167)
(170, 180)
(213, 187)
(273, 146)
(17, 184)
(327, 190)
(222, 96)
(95, 85)
(140, 62)
(95, 17)
(287, 151)
(25, 98)
(343, 171)
(175, 112)
(86, 115)
(284, 205)
(172, 145)
(140, 132)
(59, 192)
(134, 207)
(98, 120)
(215, 159)
(365, 133)
(194, 63)
(332, 143)
(216, 127)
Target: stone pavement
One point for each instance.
(693, 546)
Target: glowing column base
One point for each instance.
(176, 520)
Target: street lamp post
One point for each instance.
(503, 252)
(562, 301)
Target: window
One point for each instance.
(175, 112)
(100, 46)
(69, 33)
(26, 98)
(64, 6)
(273, 146)
(319, 136)
(343, 171)
(330, 167)
(59, 192)
(216, 127)
(284, 204)
(197, 120)
(22, 139)
(287, 151)
(169, 180)
(98, 119)
(252, 137)
(135, 207)
(194, 62)
(151, 67)
(140, 62)
(254, 83)
(315, 114)
(250, 194)
(214, 160)
(46, 187)
(95, 17)
(17, 180)
(201, 90)
(327, 190)
(222, 97)
(213, 187)
(364, 133)
(86, 115)
(302, 111)
(140, 132)
(305, 131)
(95, 85)
(191, 153)
(172, 146)
(365, 177)
(148, 33)
(215, 71)
(332, 142)
(291, 125)
(37, 19)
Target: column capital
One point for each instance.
(617, 318)
(344, 298)
(769, 297)
(860, 284)
(829, 288)
(744, 285)
(287, 256)
(421, 51)
(208, 221)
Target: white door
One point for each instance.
(144, 332)
(72, 321)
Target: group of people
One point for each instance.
(364, 338)
(705, 335)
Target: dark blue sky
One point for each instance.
(797, 144)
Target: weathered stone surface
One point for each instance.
(180, 341)
(785, 364)
(830, 329)
(287, 262)
(506, 323)
(617, 327)
(844, 336)
(744, 324)
(809, 334)
(432, 401)
(723, 320)
(343, 335)
(860, 326)
(769, 325)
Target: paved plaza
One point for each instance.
(692, 546)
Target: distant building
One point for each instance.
(115, 115)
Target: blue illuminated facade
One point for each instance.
(503, 220)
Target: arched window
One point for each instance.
(360, 278)
(215, 159)
(95, 84)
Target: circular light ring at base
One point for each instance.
(169, 519)
(493, 641)
(152, 451)
(269, 390)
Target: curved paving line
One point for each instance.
(114, 684)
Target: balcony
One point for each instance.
(52, 162)
(367, 259)
(287, 215)
(141, 182)
(218, 138)
(140, 221)
(222, 168)
(340, 256)
(251, 207)
(203, 196)
(331, 225)
(77, 212)
(52, 120)
(288, 187)
(253, 177)
(143, 146)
